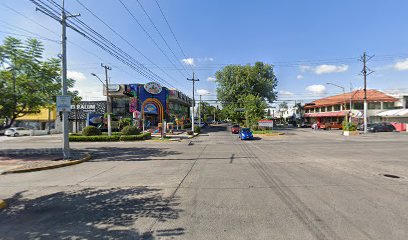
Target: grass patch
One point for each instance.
(99, 138)
(263, 131)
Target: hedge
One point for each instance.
(91, 131)
(100, 138)
(142, 136)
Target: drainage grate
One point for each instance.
(391, 176)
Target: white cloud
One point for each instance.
(304, 68)
(283, 92)
(76, 75)
(401, 65)
(324, 68)
(299, 76)
(202, 92)
(211, 79)
(188, 61)
(316, 89)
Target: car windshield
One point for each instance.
(235, 126)
(246, 130)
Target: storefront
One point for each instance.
(149, 103)
(86, 113)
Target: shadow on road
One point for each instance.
(89, 214)
(129, 154)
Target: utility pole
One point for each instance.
(108, 102)
(199, 112)
(65, 122)
(192, 118)
(366, 71)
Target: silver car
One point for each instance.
(17, 131)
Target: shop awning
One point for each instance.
(326, 114)
(394, 113)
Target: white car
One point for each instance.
(17, 131)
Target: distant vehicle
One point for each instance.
(331, 125)
(246, 134)
(361, 126)
(235, 129)
(17, 131)
(202, 124)
(305, 125)
(381, 127)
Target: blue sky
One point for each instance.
(309, 42)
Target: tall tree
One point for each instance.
(27, 82)
(249, 87)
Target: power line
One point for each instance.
(172, 32)
(124, 39)
(99, 40)
(160, 34)
(150, 37)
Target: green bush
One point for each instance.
(197, 129)
(130, 130)
(113, 133)
(189, 132)
(91, 131)
(138, 137)
(101, 138)
(123, 122)
(348, 126)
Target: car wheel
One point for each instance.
(16, 134)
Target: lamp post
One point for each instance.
(344, 94)
(107, 103)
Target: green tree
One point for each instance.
(27, 82)
(246, 86)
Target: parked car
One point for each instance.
(381, 127)
(361, 126)
(17, 131)
(202, 124)
(331, 125)
(246, 134)
(305, 125)
(235, 129)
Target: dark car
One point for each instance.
(381, 127)
(235, 129)
(377, 127)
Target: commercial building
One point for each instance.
(86, 113)
(43, 119)
(336, 108)
(149, 103)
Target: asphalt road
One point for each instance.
(303, 185)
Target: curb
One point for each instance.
(74, 162)
(3, 204)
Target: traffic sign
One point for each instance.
(63, 103)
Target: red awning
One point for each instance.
(326, 114)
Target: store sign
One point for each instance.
(85, 107)
(63, 103)
(153, 88)
(150, 108)
(265, 123)
(113, 87)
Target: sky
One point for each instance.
(309, 43)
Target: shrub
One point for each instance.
(142, 136)
(101, 138)
(197, 129)
(123, 122)
(348, 126)
(130, 130)
(189, 132)
(91, 131)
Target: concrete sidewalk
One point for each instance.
(25, 160)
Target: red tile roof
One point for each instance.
(357, 96)
(326, 114)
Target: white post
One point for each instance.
(199, 112)
(365, 116)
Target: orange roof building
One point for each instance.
(335, 108)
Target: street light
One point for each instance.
(344, 94)
(107, 102)
(199, 109)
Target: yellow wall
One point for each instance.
(41, 116)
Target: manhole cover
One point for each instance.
(391, 176)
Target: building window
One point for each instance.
(358, 105)
(337, 107)
(374, 105)
(323, 109)
(388, 105)
(330, 108)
